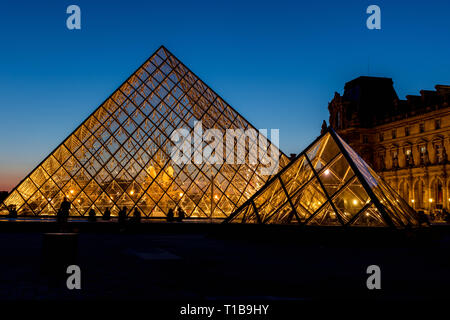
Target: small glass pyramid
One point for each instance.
(328, 184)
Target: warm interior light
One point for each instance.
(367, 214)
(412, 200)
(216, 196)
(431, 200)
(327, 172)
(355, 202)
(71, 191)
(180, 194)
(131, 192)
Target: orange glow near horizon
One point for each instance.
(9, 181)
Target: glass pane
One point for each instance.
(371, 217)
(325, 217)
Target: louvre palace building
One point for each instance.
(405, 141)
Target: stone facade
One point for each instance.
(406, 141)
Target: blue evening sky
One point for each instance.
(277, 62)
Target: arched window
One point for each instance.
(437, 193)
(404, 190)
(419, 195)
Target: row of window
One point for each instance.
(440, 156)
(437, 126)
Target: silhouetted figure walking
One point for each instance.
(170, 215)
(92, 217)
(180, 215)
(13, 213)
(123, 216)
(107, 214)
(136, 215)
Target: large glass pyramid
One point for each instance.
(328, 184)
(121, 154)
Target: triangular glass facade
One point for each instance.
(120, 155)
(327, 185)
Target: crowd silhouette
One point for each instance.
(122, 216)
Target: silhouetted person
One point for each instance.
(136, 215)
(123, 215)
(423, 218)
(446, 215)
(107, 214)
(92, 216)
(170, 215)
(64, 211)
(180, 215)
(13, 213)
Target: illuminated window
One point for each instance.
(423, 154)
(395, 159)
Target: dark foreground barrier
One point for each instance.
(59, 250)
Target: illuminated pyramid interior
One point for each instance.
(120, 155)
(327, 185)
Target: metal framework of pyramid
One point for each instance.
(120, 155)
(328, 184)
